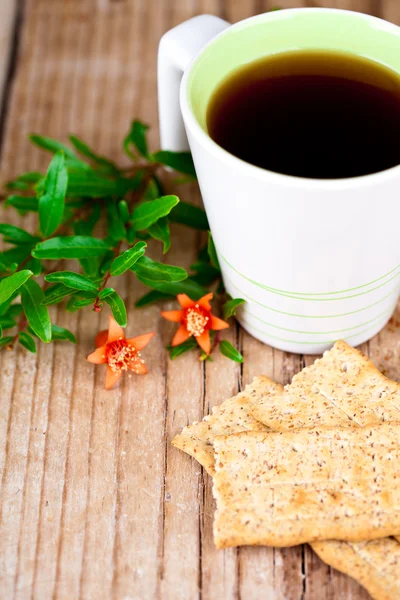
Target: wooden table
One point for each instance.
(95, 502)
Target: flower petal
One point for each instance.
(115, 332)
(204, 302)
(217, 324)
(172, 315)
(138, 368)
(181, 336)
(112, 378)
(98, 357)
(140, 341)
(204, 341)
(185, 301)
(101, 338)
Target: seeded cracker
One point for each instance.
(340, 389)
(344, 385)
(231, 416)
(374, 564)
(283, 489)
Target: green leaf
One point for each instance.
(152, 190)
(9, 285)
(75, 246)
(14, 311)
(130, 234)
(23, 204)
(205, 273)
(90, 294)
(72, 280)
(16, 235)
(137, 137)
(60, 333)
(188, 286)
(51, 202)
(87, 226)
(27, 341)
(16, 185)
(160, 231)
(93, 185)
(146, 214)
(127, 259)
(75, 304)
(190, 215)
(118, 309)
(51, 145)
(212, 252)
(106, 292)
(106, 262)
(176, 351)
(35, 311)
(15, 256)
(99, 160)
(229, 308)
(179, 161)
(150, 297)
(54, 146)
(229, 351)
(35, 266)
(116, 227)
(30, 177)
(24, 181)
(124, 211)
(55, 293)
(158, 272)
(7, 322)
(6, 340)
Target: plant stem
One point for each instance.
(97, 304)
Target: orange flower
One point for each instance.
(196, 319)
(119, 353)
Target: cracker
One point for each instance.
(344, 388)
(374, 564)
(283, 489)
(231, 416)
(340, 389)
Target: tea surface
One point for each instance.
(322, 115)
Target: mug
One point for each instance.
(314, 260)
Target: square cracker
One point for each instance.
(374, 564)
(342, 388)
(231, 416)
(283, 489)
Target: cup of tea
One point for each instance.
(293, 121)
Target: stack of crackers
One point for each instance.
(316, 461)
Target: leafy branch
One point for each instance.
(92, 211)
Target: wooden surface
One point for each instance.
(95, 503)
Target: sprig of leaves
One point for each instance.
(98, 214)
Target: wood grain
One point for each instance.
(95, 503)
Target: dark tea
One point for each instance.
(323, 115)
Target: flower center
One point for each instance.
(196, 320)
(121, 355)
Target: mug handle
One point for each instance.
(177, 48)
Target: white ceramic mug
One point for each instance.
(315, 260)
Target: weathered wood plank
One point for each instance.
(10, 17)
(390, 10)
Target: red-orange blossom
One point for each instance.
(119, 353)
(196, 319)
